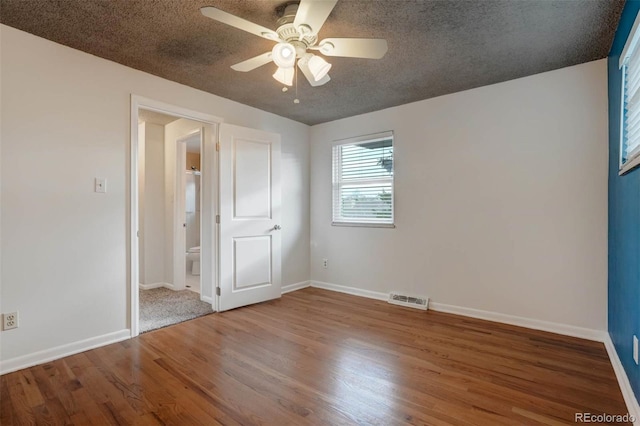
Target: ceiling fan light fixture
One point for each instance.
(297, 33)
(284, 76)
(284, 55)
(318, 67)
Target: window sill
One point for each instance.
(364, 225)
(629, 165)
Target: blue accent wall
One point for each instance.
(624, 220)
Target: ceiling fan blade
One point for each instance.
(310, 78)
(234, 21)
(369, 48)
(253, 63)
(313, 13)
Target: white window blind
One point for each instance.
(363, 180)
(630, 128)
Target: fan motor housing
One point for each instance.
(289, 33)
(289, 11)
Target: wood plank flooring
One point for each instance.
(319, 357)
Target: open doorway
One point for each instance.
(175, 185)
(240, 213)
(192, 200)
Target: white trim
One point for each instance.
(174, 110)
(623, 380)
(337, 183)
(138, 102)
(179, 206)
(293, 287)
(535, 324)
(155, 285)
(207, 299)
(621, 123)
(379, 136)
(351, 290)
(40, 357)
(179, 214)
(364, 224)
(134, 247)
(632, 41)
(628, 165)
(210, 160)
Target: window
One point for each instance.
(363, 181)
(630, 114)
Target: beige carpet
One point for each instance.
(161, 307)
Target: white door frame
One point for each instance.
(179, 217)
(210, 160)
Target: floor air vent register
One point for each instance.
(417, 302)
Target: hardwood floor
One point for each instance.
(319, 357)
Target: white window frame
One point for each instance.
(335, 188)
(631, 48)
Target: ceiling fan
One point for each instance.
(296, 36)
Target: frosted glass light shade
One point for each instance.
(303, 64)
(318, 67)
(284, 75)
(284, 55)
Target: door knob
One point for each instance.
(277, 227)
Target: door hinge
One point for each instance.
(218, 146)
(217, 218)
(217, 291)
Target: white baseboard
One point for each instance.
(25, 361)
(552, 327)
(623, 380)
(155, 285)
(350, 290)
(206, 299)
(293, 287)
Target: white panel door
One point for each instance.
(250, 235)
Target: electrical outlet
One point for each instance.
(325, 263)
(10, 321)
(635, 349)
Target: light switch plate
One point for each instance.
(101, 185)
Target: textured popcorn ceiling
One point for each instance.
(435, 47)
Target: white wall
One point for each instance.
(152, 266)
(65, 114)
(501, 200)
